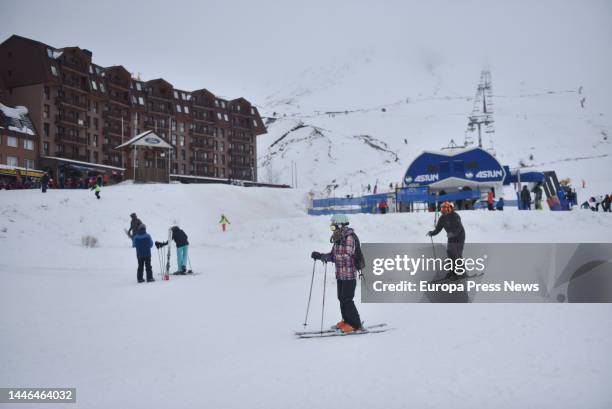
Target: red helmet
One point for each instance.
(447, 207)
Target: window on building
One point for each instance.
(94, 85)
(219, 116)
(46, 148)
(54, 70)
(46, 92)
(30, 164)
(225, 117)
(183, 169)
(95, 121)
(95, 140)
(28, 144)
(141, 100)
(254, 122)
(176, 94)
(178, 108)
(12, 161)
(182, 141)
(11, 141)
(183, 155)
(95, 154)
(252, 111)
(95, 107)
(102, 87)
(46, 110)
(182, 126)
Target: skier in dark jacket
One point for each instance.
(134, 224)
(182, 248)
(142, 242)
(500, 204)
(44, 183)
(605, 204)
(451, 222)
(537, 191)
(342, 255)
(526, 198)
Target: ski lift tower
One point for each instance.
(482, 112)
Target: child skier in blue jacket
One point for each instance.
(142, 242)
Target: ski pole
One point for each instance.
(323, 307)
(314, 263)
(189, 260)
(158, 259)
(433, 247)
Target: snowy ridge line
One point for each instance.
(605, 155)
(372, 142)
(411, 100)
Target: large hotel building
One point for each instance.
(82, 112)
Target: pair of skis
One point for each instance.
(334, 332)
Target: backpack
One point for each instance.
(358, 258)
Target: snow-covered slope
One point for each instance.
(365, 120)
(75, 316)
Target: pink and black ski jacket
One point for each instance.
(342, 255)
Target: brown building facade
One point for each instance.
(83, 111)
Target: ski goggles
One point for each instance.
(333, 227)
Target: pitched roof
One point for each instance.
(147, 138)
(16, 119)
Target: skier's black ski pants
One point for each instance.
(142, 262)
(346, 293)
(454, 250)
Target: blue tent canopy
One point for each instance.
(457, 167)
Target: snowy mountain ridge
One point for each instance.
(405, 108)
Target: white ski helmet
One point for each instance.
(339, 219)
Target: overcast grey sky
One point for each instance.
(237, 47)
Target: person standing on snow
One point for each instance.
(224, 221)
(451, 222)
(342, 255)
(97, 189)
(134, 224)
(142, 242)
(44, 183)
(526, 198)
(500, 204)
(182, 247)
(490, 199)
(537, 190)
(605, 204)
(383, 207)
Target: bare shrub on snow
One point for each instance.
(89, 241)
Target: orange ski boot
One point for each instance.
(346, 328)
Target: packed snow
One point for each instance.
(75, 316)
